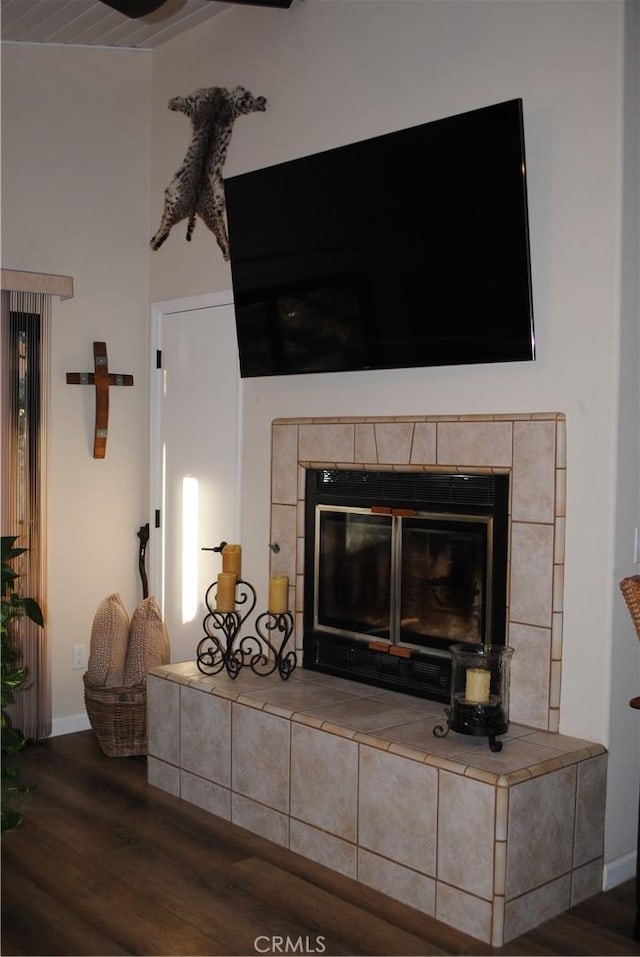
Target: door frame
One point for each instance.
(159, 310)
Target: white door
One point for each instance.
(194, 458)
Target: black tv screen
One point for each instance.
(410, 249)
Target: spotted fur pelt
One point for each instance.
(197, 189)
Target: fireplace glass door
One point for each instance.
(405, 579)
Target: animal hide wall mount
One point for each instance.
(197, 189)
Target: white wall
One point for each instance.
(335, 71)
(75, 201)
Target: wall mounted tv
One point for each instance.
(410, 249)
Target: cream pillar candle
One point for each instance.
(226, 593)
(477, 685)
(278, 594)
(231, 556)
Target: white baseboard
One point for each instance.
(74, 722)
(618, 871)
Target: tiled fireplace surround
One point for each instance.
(351, 775)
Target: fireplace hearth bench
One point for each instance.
(351, 776)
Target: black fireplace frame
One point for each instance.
(423, 672)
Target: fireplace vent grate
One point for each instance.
(423, 488)
(420, 674)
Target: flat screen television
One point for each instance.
(410, 249)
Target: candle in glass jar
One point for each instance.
(278, 594)
(226, 593)
(477, 685)
(231, 555)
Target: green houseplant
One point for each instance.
(12, 679)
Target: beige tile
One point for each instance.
(590, 806)
(463, 911)
(561, 493)
(533, 475)
(204, 682)
(324, 781)
(529, 694)
(561, 442)
(423, 450)
(413, 754)
(365, 714)
(211, 797)
(391, 822)
(345, 685)
(283, 533)
(205, 736)
(284, 469)
(542, 806)
(537, 906)
(246, 683)
(530, 597)
(393, 441)
(323, 848)
(502, 813)
(497, 922)
(259, 819)
(422, 706)
(418, 734)
(556, 636)
(163, 719)
(261, 752)
(500, 868)
(559, 542)
(185, 668)
(332, 442)
(365, 443)
(555, 682)
(558, 587)
(300, 696)
(164, 776)
(559, 742)
(466, 831)
(586, 881)
(475, 444)
(401, 883)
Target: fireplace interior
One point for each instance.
(398, 567)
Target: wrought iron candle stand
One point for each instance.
(224, 647)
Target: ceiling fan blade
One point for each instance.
(140, 8)
(283, 4)
(134, 8)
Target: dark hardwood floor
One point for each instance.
(105, 864)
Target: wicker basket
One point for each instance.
(630, 588)
(118, 717)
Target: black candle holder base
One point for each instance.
(478, 719)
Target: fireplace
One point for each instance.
(398, 567)
(529, 448)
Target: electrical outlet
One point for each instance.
(79, 657)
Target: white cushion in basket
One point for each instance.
(148, 643)
(109, 642)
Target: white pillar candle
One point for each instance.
(226, 593)
(477, 684)
(231, 557)
(278, 594)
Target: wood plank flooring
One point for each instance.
(105, 864)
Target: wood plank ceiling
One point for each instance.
(94, 23)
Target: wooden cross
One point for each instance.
(102, 379)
